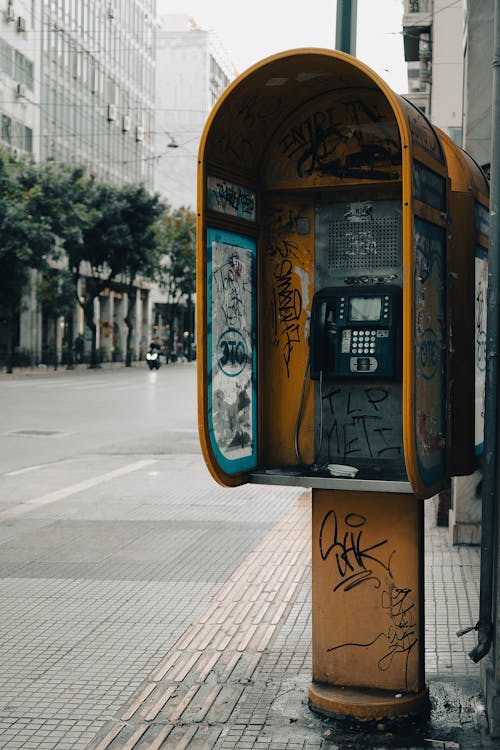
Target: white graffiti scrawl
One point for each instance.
(232, 356)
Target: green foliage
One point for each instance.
(27, 240)
(101, 237)
(177, 236)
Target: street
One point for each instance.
(65, 414)
(143, 606)
(113, 537)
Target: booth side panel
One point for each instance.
(287, 278)
(460, 345)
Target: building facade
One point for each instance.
(476, 36)
(97, 72)
(78, 78)
(192, 72)
(19, 86)
(433, 46)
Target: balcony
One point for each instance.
(417, 20)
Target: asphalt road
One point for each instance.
(113, 539)
(117, 548)
(59, 415)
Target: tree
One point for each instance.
(56, 294)
(65, 196)
(178, 238)
(109, 237)
(27, 239)
(141, 252)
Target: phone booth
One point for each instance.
(324, 236)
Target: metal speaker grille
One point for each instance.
(362, 244)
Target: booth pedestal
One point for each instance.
(365, 704)
(367, 605)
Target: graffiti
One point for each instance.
(289, 282)
(281, 222)
(351, 557)
(371, 280)
(231, 290)
(231, 147)
(480, 326)
(430, 337)
(422, 133)
(287, 307)
(257, 111)
(430, 438)
(231, 199)
(358, 561)
(429, 355)
(359, 212)
(429, 251)
(362, 424)
(341, 141)
(231, 335)
(402, 632)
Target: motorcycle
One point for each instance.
(153, 359)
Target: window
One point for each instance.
(6, 129)
(6, 57)
(28, 139)
(456, 135)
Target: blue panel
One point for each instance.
(481, 294)
(429, 290)
(232, 349)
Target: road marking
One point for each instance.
(27, 469)
(72, 489)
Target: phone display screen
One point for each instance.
(365, 309)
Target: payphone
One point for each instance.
(356, 333)
(323, 243)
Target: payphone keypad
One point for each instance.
(360, 332)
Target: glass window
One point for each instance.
(6, 129)
(28, 139)
(6, 57)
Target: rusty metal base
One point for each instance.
(365, 704)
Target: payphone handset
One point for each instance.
(356, 333)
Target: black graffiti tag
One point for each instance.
(402, 632)
(231, 289)
(240, 200)
(288, 309)
(360, 427)
(355, 562)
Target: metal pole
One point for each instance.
(491, 493)
(345, 30)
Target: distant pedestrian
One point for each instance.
(79, 346)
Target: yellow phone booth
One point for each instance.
(324, 238)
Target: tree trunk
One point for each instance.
(94, 358)
(8, 363)
(130, 330)
(70, 343)
(56, 326)
(89, 319)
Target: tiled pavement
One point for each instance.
(141, 649)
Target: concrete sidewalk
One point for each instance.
(172, 613)
(238, 676)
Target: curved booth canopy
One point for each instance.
(322, 254)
